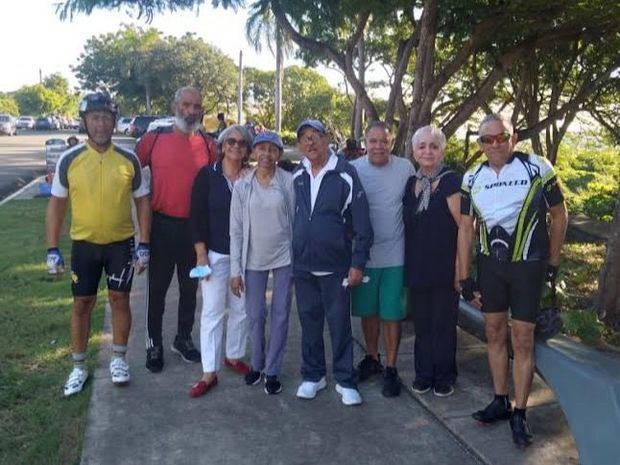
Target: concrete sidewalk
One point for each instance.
(154, 421)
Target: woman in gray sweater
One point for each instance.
(261, 216)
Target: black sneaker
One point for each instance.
(252, 378)
(369, 366)
(421, 387)
(186, 349)
(391, 382)
(155, 359)
(443, 390)
(272, 385)
(497, 410)
(521, 433)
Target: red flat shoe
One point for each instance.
(201, 387)
(238, 366)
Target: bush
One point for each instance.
(590, 180)
(583, 324)
(600, 201)
(288, 137)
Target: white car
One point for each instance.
(25, 122)
(122, 125)
(160, 123)
(8, 125)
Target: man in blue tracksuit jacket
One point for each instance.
(332, 237)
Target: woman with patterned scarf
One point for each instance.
(431, 215)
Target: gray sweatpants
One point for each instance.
(256, 309)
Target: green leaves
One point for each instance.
(8, 105)
(50, 98)
(307, 94)
(140, 65)
(144, 8)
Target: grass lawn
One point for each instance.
(37, 425)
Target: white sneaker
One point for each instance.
(350, 396)
(308, 389)
(119, 371)
(76, 381)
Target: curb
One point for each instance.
(21, 190)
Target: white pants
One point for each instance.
(216, 298)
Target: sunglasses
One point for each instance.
(500, 138)
(238, 142)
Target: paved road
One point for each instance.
(22, 157)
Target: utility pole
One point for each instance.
(279, 79)
(240, 89)
(359, 115)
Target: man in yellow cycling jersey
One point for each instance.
(100, 179)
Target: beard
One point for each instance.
(185, 126)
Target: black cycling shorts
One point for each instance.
(511, 285)
(88, 260)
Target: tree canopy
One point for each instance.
(144, 69)
(145, 8)
(448, 60)
(8, 105)
(51, 97)
(307, 94)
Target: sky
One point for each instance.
(33, 38)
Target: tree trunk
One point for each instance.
(608, 302)
(147, 92)
(424, 70)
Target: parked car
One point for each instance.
(140, 124)
(8, 125)
(160, 123)
(122, 125)
(25, 122)
(43, 123)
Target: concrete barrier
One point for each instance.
(586, 384)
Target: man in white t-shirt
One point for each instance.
(380, 300)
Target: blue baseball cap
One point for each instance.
(311, 123)
(268, 136)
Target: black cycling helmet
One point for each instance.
(98, 101)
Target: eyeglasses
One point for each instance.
(500, 138)
(238, 142)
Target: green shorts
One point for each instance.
(382, 295)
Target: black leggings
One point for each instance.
(434, 316)
(170, 246)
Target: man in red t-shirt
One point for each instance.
(174, 155)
